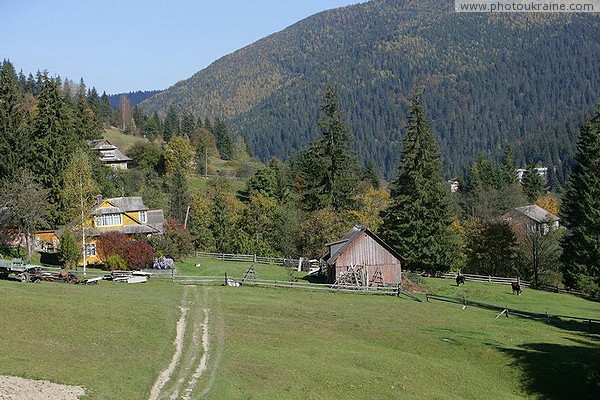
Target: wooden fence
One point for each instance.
(593, 324)
(253, 258)
(488, 279)
(223, 280)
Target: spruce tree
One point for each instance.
(53, 138)
(371, 175)
(224, 141)
(417, 223)
(330, 168)
(13, 123)
(533, 184)
(580, 213)
(179, 199)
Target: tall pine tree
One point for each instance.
(533, 184)
(417, 223)
(581, 213)
(13, 122)
(330, 168)
(54, 140)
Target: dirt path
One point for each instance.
(219, 344)
(166, 374)
(192, 360)
(203, 361)
(14, 388)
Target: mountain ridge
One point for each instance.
(486, 80)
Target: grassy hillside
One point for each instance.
(487, 78)
(121, 140)
(238, 170)
(114, 339)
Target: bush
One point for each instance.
(176, 242)
(115, 262)
(68, 250)
(112, 243)
(139, 255)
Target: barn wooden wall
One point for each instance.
(366, 251)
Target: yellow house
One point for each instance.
(126, 215)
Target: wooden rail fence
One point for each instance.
(593, 324)
(222, 280)
(488, 279)
(253, 258)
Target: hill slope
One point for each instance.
(486, 78)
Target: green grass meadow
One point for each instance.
(235, 270)
(115, 339)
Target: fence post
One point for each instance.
(254, 258)
(225, 278)
(489, 278)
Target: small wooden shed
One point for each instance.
(363, 249)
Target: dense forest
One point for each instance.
(134, 98)
(486, 80)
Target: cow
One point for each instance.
(460, 279)
(516, 288)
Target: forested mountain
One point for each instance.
(134, 98)
(487, 79)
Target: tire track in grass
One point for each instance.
(196, 312)
(218, 342)
(166, 374)
(203, 360)
(191, 348)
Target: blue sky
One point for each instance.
(126, 45)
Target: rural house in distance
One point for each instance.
(110, 155)
(360, 249)
(126, 215)
(533, 218)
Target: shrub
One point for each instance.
(115, 262)
(68, 251)
(139, 255)
(112, 243)
(175, 242)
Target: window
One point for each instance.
(109, 220)
(143, 217)
(90, 249)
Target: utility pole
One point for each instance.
(82, 224)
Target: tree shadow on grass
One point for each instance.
(581, 326)
(554, 371)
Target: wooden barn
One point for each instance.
(362, 258)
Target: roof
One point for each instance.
(108, 151)
(127, 229)
(113, 155)
(340, 246)
(537, 213)
(127, 204)
(156, 219)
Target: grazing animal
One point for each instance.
(460, 279)
(516, 288)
